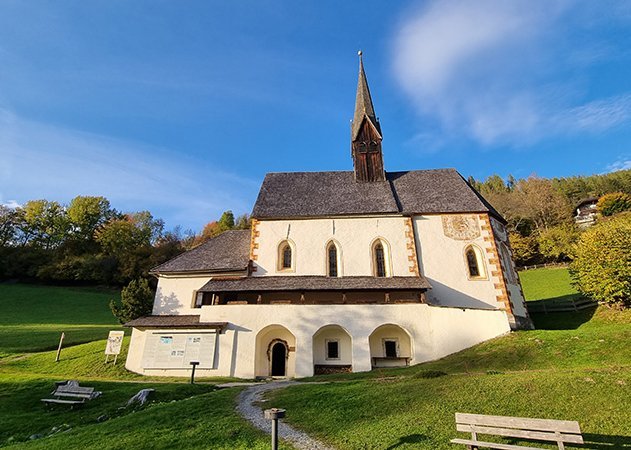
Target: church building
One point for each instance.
(340, 272)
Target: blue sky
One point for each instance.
(181, 108)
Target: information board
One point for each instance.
(168, 350)
(114, 342)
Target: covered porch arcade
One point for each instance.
(311, 290)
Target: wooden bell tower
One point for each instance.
(366, 134)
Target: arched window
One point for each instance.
(331, 253)
(380, 259)
(285, 256)
(475, 265)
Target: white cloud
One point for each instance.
(491, 70)
(622, 164)
(43, 161)
(10, 204)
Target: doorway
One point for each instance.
(279, 360)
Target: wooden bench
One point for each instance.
(559, 431)
(70, 393)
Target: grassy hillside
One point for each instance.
(179, 416)
(547, 284)
(34, 316)
(575, 366)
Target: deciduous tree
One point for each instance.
(602, 264)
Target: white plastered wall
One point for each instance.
(174, 295)
(337, 333)
(353, 235)
(434, 332)
(442, 261)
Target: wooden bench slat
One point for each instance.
(58, 400)
(70, 394)
(526, 434)
(563, 426)
(84, 390)
(492, 445)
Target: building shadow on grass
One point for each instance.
(606, 442)
(410, 439)
(569, 320)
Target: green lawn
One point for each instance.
(179, 415)
(574, 366)
(34, 316)
(547, 284)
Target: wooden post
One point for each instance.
(61, 340)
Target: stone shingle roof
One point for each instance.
(316, 194)
(227, 252)
(180, 321)
(314, 283)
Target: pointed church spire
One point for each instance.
(363, 102)
(366, 134)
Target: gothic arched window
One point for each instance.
(331, 253)
(285, 256)
(475, 264)
(380, 259)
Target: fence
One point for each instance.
(540, 266)
(571, 304)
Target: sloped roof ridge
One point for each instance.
(197, 249)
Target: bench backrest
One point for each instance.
(521, 427)
(73, 391)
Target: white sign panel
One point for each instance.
(164, 350)
(114, 343)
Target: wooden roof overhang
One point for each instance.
(179, 321)
(316, 283)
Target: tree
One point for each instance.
(8, 225)
(44, 223)
(242, 223)
(226, 222)
(87, 214)
(557, 243)
(136, 301)
(615, 202)
(540, 202)
(525, 249)
(602, 264)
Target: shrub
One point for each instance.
(557, 243)
(613, 203)
(136, 301)
(602, 264)
(525, 249)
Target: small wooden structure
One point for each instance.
(70, 393)
(559, 431)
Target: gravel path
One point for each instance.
(254, 414)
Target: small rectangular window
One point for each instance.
(390, 348)
(332, 350)
(199, 299)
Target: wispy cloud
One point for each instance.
(490, 70)
(624, 163)
(43, 161)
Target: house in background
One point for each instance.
(585, 212)
(341, 271)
